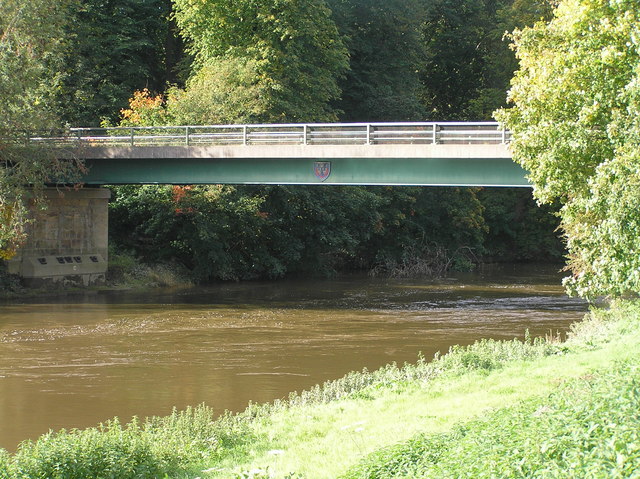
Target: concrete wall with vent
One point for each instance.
(67, 242)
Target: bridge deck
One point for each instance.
(445, 154)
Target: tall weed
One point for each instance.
(106, 452)
(157, 448)
(5, 465)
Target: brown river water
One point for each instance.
(74, 361)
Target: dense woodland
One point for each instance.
(143, 62)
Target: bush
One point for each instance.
(5, 465)
(101, 453)
(157, 448)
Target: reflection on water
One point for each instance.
(75, 361)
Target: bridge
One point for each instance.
(425, 153)
(70, 239)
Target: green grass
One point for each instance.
(590, 427)
(398, 421)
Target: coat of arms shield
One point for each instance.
(322, 169)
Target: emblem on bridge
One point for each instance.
(322, 169)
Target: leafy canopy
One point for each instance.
(112, 48)
(576, 130)
(290, 51)
(31, 46)
(385, 54)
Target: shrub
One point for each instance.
(5, 465)
(106, 452)
(157, 448)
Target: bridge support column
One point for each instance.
(67, 242)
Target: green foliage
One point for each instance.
(518, 229)
(385, 53)
(226, 232)
(31, 45)
(603, 231)
(443, 60)
(291, 46)
(112, 450)
(489, 355)
(157, 448)
(113, 48)
(125, 269)
(223, 91)
(5, 465)
(588, 429)
(437, 226)
(572, 74)
(9, 283)
(468, 65)
(576, 132)
(452, 29)
(249, 232)
(201, 227)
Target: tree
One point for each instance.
(453, 30)
(223, 91)
(31, 45)
(498, 60)
(385, 51)
(576, 130)
(245, 232)
(468, 64)
(113, 48)
(291, 46)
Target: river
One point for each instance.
(77, 360)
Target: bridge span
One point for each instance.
(425, 153)
(69, 241)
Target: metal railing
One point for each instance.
(464, 133)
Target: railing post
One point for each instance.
(368, 134)
(131, 130)
(304, 133)
(434, 138)
(186, 135)
(244, 135)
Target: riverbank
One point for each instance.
(125, 272)
(345, 426)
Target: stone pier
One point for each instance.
(68, 241)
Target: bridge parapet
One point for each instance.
(463, 133)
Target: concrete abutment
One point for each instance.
(67, 242)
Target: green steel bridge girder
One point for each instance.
(432, 171)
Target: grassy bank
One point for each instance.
(540, 408)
